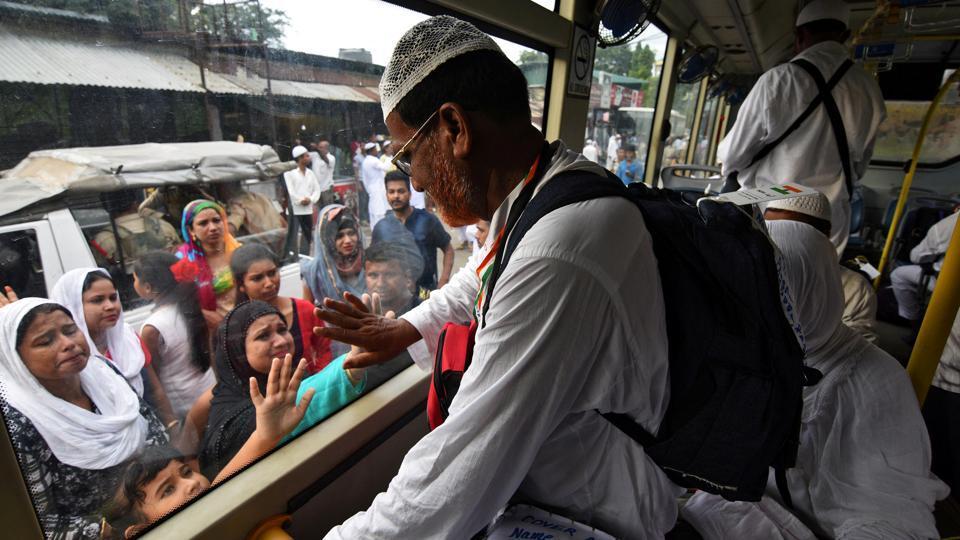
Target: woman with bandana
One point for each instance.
(205, 257)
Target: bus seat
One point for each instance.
(696, 180)
(855, 240)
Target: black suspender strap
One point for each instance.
(514, 214)
(836, 121)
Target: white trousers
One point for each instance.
(905, 281)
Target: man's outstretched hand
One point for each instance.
(381, 337)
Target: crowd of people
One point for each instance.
(223, 368)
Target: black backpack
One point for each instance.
(736, 367)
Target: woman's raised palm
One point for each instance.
(278, 413)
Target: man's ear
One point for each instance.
(455, 129)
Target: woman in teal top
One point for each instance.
(250, 337)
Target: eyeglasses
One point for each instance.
(401, 162)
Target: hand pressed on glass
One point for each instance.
(376, 338)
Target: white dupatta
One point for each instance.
(122, 341)
(76, 436)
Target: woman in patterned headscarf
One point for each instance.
(205, 257)
(337, 264)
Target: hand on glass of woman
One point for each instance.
(278, 412)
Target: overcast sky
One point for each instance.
(325, 26)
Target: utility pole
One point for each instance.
(266, 61)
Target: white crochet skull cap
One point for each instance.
(819, 10)
(814, 205)
(424, 48)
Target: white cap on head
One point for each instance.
(814, 205)
(422, 49)
(818, 10)
(298, 151)
(369, 146)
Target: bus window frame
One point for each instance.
(662, 107)
(246, 498)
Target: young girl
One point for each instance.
(256, 272)
(160, 479)
(92, 298)
(175, 333)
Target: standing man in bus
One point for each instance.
(558, 342)
(761, 148)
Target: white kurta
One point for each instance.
(323, 171)
(905, 280)
(576, 325)
(863, 465)
(809, 156)
(932, 248)
(300, 185)
(372, 172)
(860, 304)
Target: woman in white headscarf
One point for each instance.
(73, 419)
(92, 298)
(863, 466)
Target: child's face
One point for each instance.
(173, 486)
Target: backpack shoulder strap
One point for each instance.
(563, 190)
(836, 120)
(824, 96)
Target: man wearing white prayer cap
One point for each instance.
(303, 188)
(558, 341)
(860, 300)
(762, 150)
(372, 173)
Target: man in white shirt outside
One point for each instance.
(613, 144)
(323, 164)
(576, 322)
(304, 192)
(809, 156)
(590, 151)
(372, 173)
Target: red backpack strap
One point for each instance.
(454, 353)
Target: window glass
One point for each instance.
(681, 122)
(898, 133)
(20, 265)
(549, 4)
(154, 99)
(705, 132)
(622, 99)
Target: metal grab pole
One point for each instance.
(938, 321)
(908, 179)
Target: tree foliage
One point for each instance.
(630, 60)
(227, 22)
(532, 57)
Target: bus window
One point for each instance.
(898, 133)
(20, 265)
(705, 133)
(623, 95)
(681, 121)
(284, 77)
